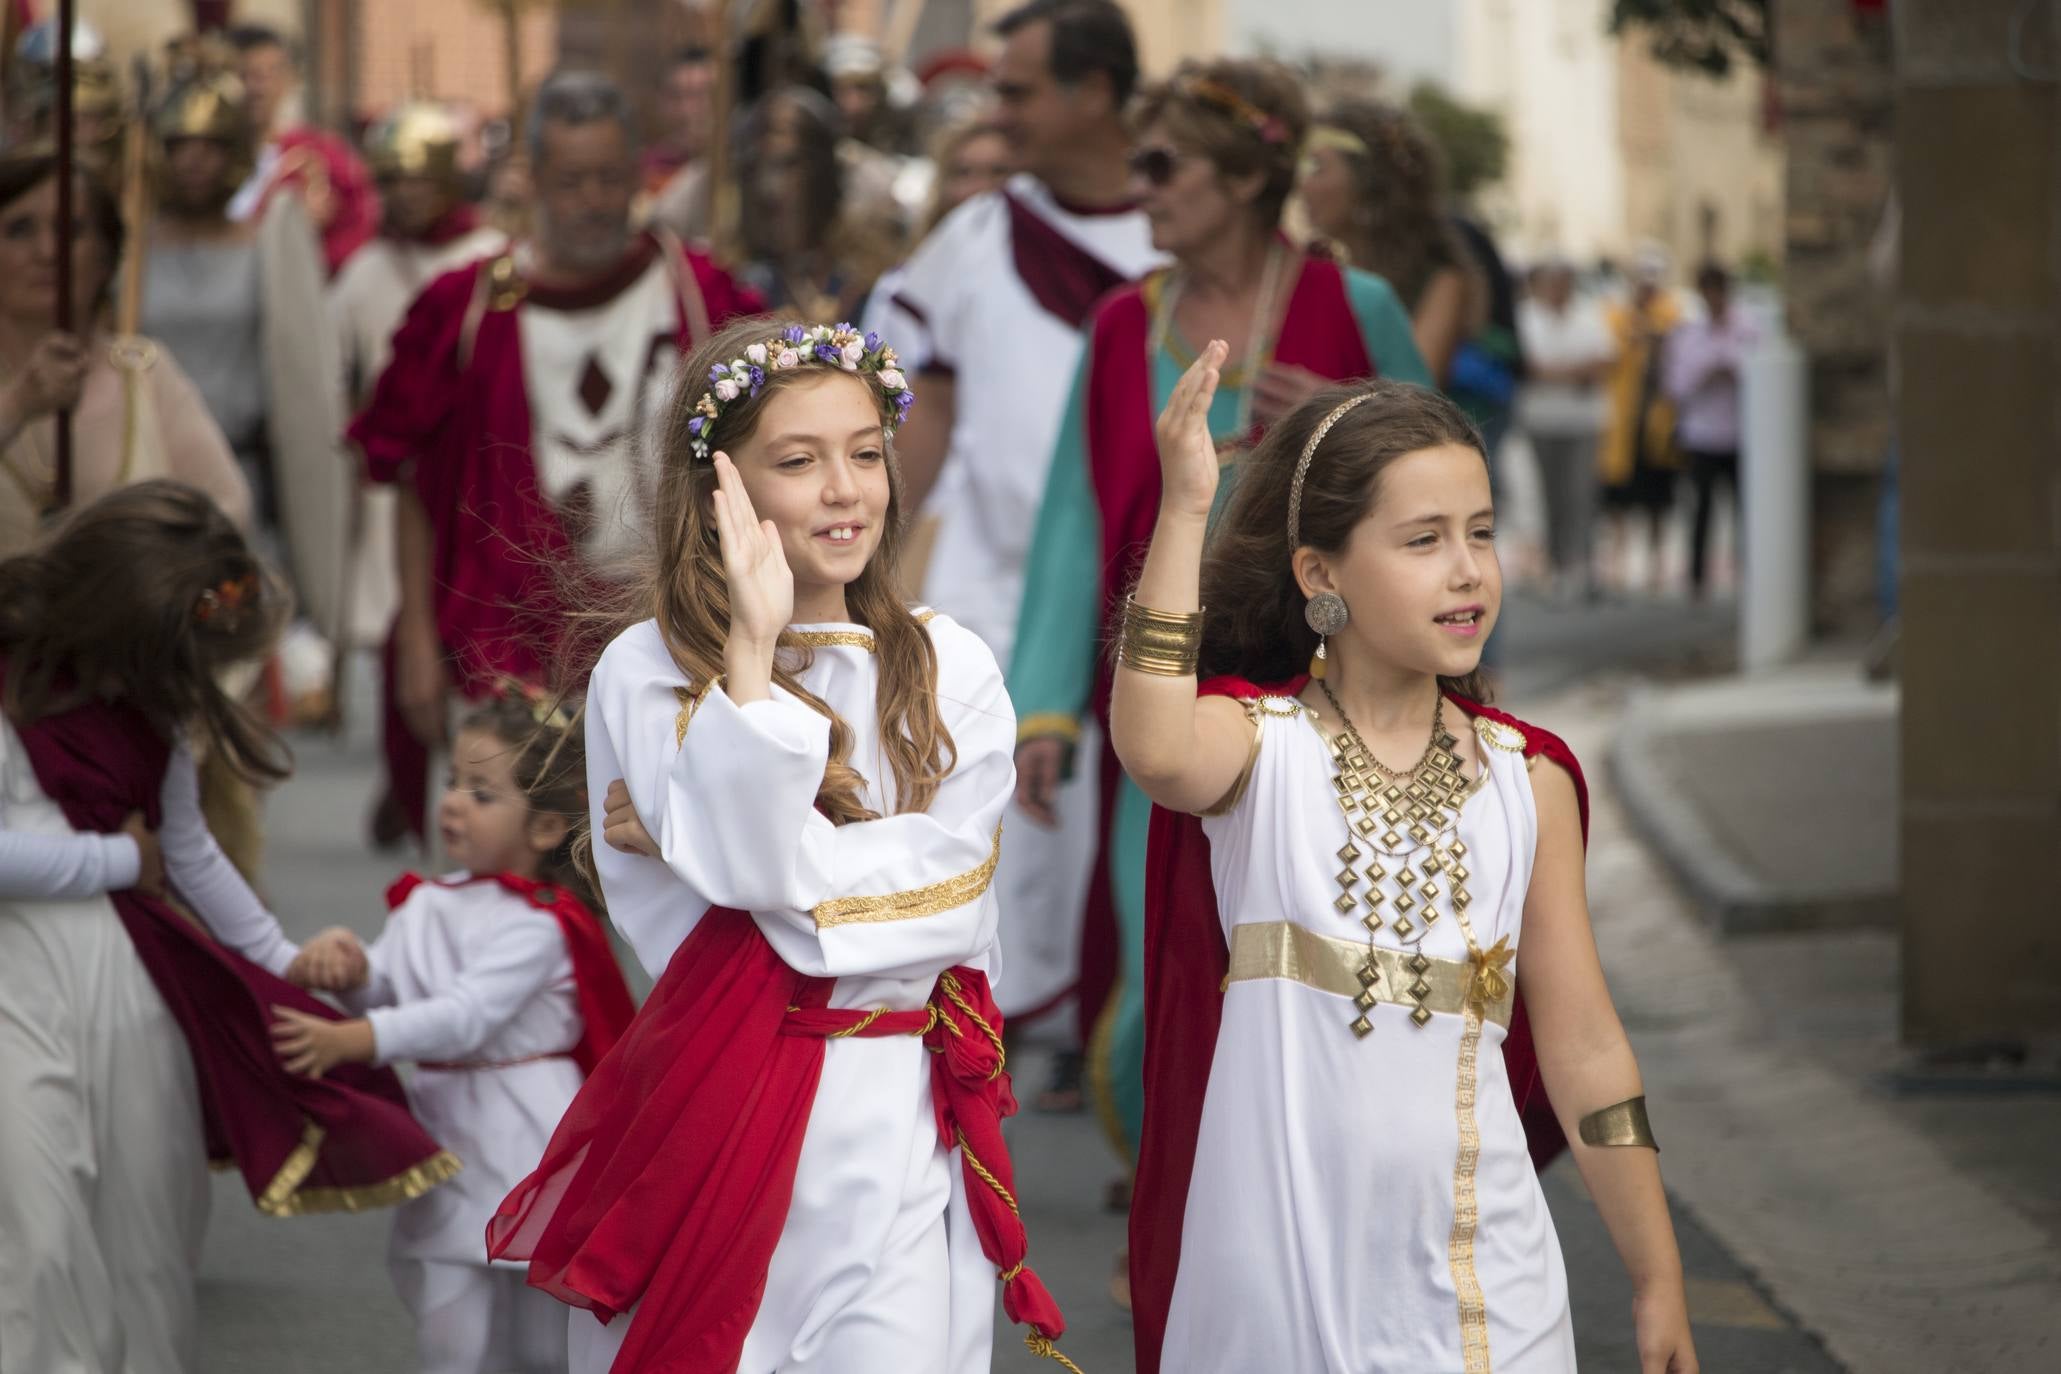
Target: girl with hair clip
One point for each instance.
(1353, 869)
(801, 783)
(133, 1033)
(498, 983)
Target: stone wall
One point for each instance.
(1836, 91)
(1978, 329)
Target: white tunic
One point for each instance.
(878, 1267)
(960, 304)
(1319, 1226)
(470, 974)
(103, 1169)
(367, 302)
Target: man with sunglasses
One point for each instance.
(992, 307)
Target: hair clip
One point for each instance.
(225, 598)
(547, 713)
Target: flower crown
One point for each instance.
(226, 600)
(1269, 129)
(822, 345)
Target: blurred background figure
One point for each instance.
(873, 99)
(686, 119)
(239, 303)
(135, 415)
(1373, 185)
(99, 106)
(1568, 353)
(1705, 357)
(293, 154)
(815, 228)
(1638, 461)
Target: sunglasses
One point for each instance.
(1155, 165)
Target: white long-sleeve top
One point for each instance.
(43, 859)
(476, 978)
(728, 793)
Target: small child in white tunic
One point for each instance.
(1343, 1185)
(492, 982)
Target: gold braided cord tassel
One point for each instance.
(951, 989)
(1040, 1344)
(973, 1163)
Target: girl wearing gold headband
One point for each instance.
(1339, 1074)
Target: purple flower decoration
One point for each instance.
(758, 379)
(872, 343)
(794, 333)
(829, 354)
(717, 373)
(695, 425)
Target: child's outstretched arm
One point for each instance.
(1185, 754)
(199, 872)
(1593, 1079)
(37, 867)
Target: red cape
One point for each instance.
(345, 1141)
(1318, 331)
(667, 1183)
(604, 998)
(308, 152)
(451, 415)
(1185, 963)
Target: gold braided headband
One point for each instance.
(1331, 136)
(1302, 466)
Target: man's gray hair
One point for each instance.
(575, 97)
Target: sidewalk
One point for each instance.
(1908, 1233)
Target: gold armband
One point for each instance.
(1623, 1124)
(1162, 643)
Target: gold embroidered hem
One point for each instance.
(921, 901)
(1047, 724)
(690, 700)
(1474, 1344)
(285, 1197)
(841, 639)
(1255, 707)
(1283, 949)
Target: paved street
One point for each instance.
(311, 1295)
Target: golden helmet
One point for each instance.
(204, 102)
(416, 139)
(32, 75)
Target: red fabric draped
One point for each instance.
(603, 997)
(668, 1181)
(1185, 963)
(100, 762)
(1064, 278)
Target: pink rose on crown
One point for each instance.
(726, 390)
(788, 358)
(892, 379)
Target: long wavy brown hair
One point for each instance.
(685, 590)
(1400, 230)
(147, 596)
(1254, 627)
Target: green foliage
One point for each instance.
(1706, 36)
(1473, 141)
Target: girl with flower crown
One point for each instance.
(1334, 1174)
(793, 1159)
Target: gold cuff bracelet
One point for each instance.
(1623, 1124)
(1161, 643)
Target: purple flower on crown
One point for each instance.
(829, 354)
(872, 343)
(793, 333)
(758, 379)
(696, 425)
(717, 373)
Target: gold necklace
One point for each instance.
(1418, 810)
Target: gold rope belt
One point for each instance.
(1283, 949)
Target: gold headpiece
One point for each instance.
(1335, 138)
(417, 139)
(1302, 464)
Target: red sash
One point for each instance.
(1062, 277)
(667, 1183)
(1185, 963)
(604, 998)
(345, 1141)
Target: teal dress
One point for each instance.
(1052, 672)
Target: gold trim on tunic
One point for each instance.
(1255, 707)
(842, 639)
(1284, 949)
(285, 1197)
(1473, 1306)
(921, 901)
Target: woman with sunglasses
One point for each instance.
(1216, 156)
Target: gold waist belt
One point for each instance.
(1283, 949)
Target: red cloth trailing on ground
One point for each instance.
(451, 416)
(606, 1006)
(667, 1184)
(342, 1141)
(1185, 963)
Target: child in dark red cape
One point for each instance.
(498, 983)
(133, 1036)
(1344, 1096)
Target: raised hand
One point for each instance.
(754, 565)
(1187, 452)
